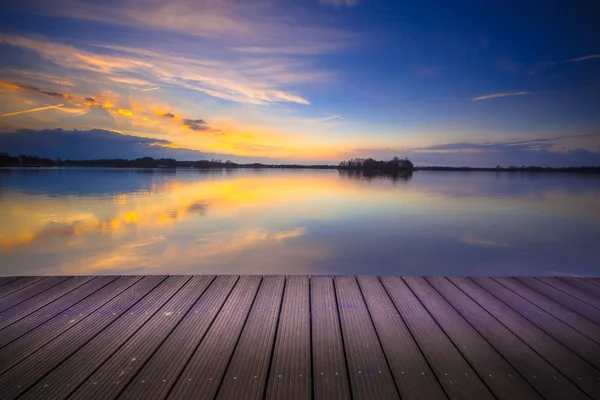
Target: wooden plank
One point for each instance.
(22, 295)
(18, 284)
(370, 376)
(7, 279)
(563, 333)
(584, 285)
(40, 300)
(524, 362)
(499, 375)
(25, 325)
(576, 305)
(164, 368)
(28, 372)
(247, 374)
(69, 375)
(330, 375)
(27, 344)
(595, 281)
(455, 374)
(574, 368)
(203, 374)
(290, 370)
(557, 310)
(573, 290)
(108, 381)
(412, 374)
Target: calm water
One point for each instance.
(100, 221)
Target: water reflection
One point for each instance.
(107, 221)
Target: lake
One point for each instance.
(320, 222)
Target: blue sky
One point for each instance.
(442, 82)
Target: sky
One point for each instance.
(314, 81)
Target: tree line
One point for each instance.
(368, 164)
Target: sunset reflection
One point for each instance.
(263, 221)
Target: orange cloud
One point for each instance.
(125, 112)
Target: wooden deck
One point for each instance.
(299, 337)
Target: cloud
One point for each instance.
(550, 152)
(249, 81)
(497, 95)
(196, 124)
(340, 3)
(150, 89)
(169, 115)
(94, 144)
(39, 76)
(584, 58)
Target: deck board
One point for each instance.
(247, 374)
(17, 284)
(466, 325)
(584, 285)
(576, 305)
(573, 290)
(204, 373)
(69, 375)
(570, 365)
(588, 328)
(119, 370)
(455, 374)
(370, 376)
(32, 369)
(330, 375)
(412, 374)
(40, 300)
(290, 371)
(30, 291)
(164, 368)
(7, 279)
(53, 329)
(16, 329)
(299, 337)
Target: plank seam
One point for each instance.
(527, 344)
(339, 321)
(480, 334)
(47, 304)
(83, 381)
(450, 339)
(30, 297)
(237, 342)
(57, 314)
(184, 366)
(83, 344)
(541, 308)
(585, 291)
(569, 294)
(562, 322)
(413, 338)
(26, 286)
(268, 374)
(387, 361)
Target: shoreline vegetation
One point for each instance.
(393, 166)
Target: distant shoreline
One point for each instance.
(366, 166)
(571, 170)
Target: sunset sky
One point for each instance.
(313, 81)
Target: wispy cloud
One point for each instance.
(331, 118)
(584, 58)
(31, 110)
(497, 95)
(340, 3)
(255, 82)
(150, 89)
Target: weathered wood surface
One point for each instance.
(299, 337)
